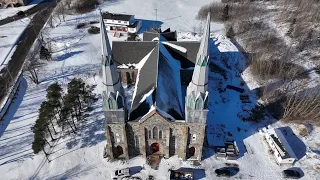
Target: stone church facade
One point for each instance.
(160, 121)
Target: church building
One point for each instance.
(167, 112)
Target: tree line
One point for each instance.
(62, 112)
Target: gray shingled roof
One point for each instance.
(147, 81)
(122, 17)
(125, 52)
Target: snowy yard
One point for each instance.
(80, 155)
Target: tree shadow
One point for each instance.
(74, 172)
(296, 144)
(68, 55)
(135, 169)
(13, 107)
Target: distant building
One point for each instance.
(13, 3)
(168, 110)
(122, 23)
(280, 146)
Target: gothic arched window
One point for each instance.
(149, 134)
(160, 134)
(155, 132)
(191, 102)
(120, 101)
(199, 103)
(112, 103)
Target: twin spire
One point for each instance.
(112, 88)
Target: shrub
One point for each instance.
(85, 6)
(94, 30)
(303, 131)
(81, 25)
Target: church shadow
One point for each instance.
(233, 107)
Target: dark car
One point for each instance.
(21, 13)
(223, 172)
(290, 173)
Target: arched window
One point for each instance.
(160, 134)
(199, 61)
(112, 103)
(191, 102)
(136, 141)
(199, 103)
(204, 63)
(155, 132)
(149, 134)
(205, 104)
(120, 101)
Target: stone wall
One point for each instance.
(117, 147)
(128, 76)
(176, 137)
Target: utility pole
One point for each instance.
(156, 14)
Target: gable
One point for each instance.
(154, 118)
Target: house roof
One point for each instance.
(282, 144)
(114, 16)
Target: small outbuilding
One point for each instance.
(281, 149)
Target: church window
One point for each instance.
(112, 103)
(199, 61)
(149, 134)
(191, 102)
(160, 134)
(120, 101)
(136, 141)
(204, 63)
(199, 103)
(155, 132)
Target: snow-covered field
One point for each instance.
(79, 156)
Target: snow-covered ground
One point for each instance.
(79, 156)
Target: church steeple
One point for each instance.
(197, 91)
(112, 89)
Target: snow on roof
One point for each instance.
(281, 143)
(179, 48)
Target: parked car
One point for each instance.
(181, 174)
(290, 173)
(223, 172)
(121, 173)
(21, 13)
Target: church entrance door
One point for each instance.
(155, 147)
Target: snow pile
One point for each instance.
(179, 48)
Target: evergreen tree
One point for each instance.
(230, 33)
(225, 13)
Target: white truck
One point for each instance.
(121, 173)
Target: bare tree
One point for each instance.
(32, 66)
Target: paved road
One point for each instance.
(24, 44)
(28, 12)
